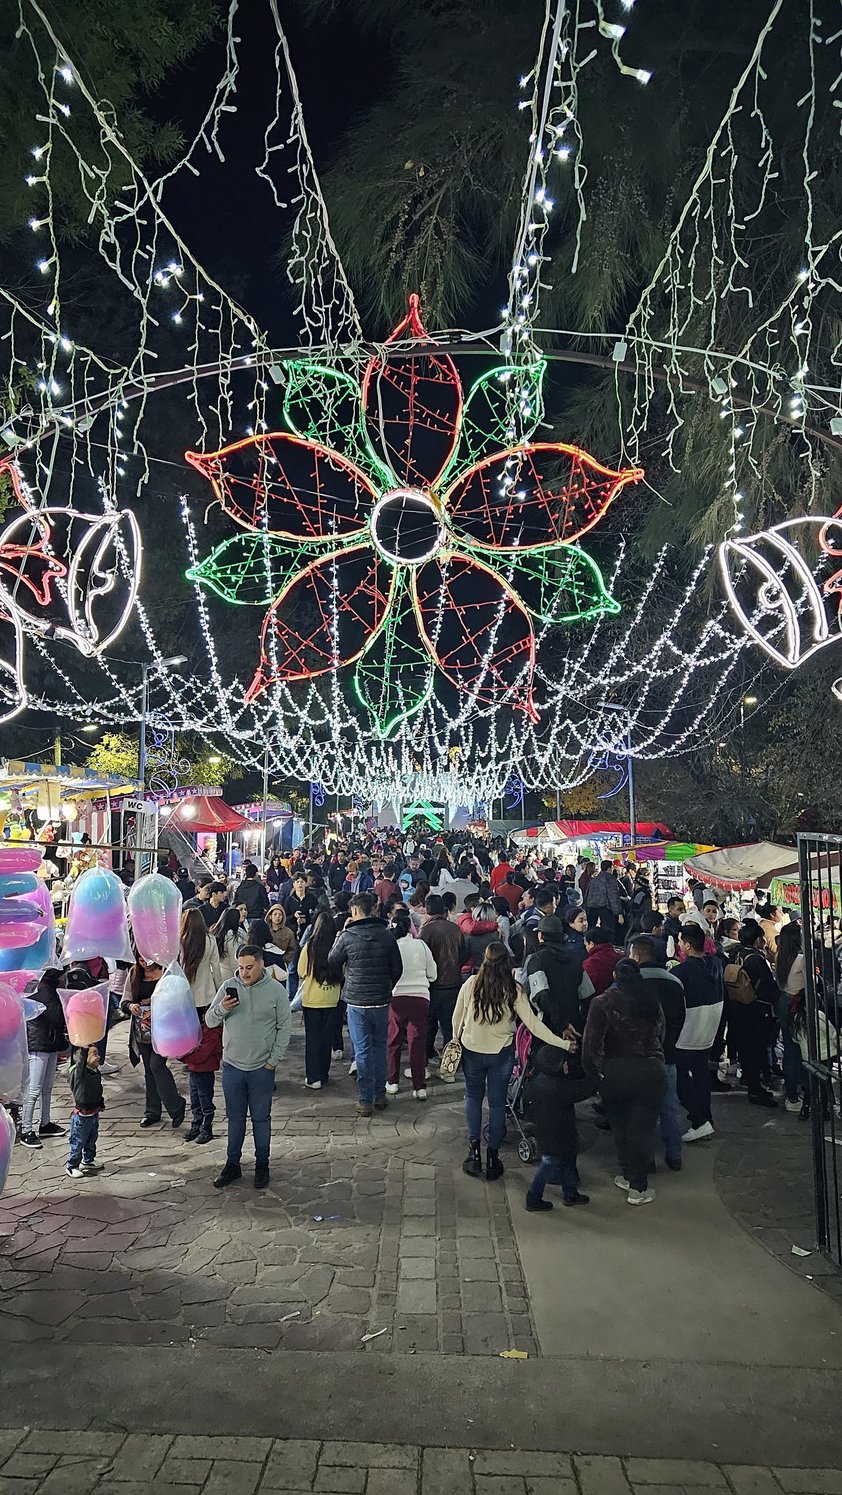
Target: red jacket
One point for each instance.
(498, 874)
(512, 894)
(207, 1057)
(600, 965)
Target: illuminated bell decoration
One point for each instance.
(85, 1013)
(774, 583)
(7, 1142)
(96, 921)
(397, 505)
(175, 1022)
(155, 914)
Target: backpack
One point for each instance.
(738, 983)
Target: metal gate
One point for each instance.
(820, 864)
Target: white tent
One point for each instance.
(737, 867)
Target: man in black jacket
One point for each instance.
(670, 994)
(252, 893)
(753, 1024)
(367, 953)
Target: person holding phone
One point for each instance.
(253, 1011)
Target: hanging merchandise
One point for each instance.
(7, 1142)
(14, 1052)
(175, 1022)
(154, 906)
(27, 919)
(96, 919)
(85, 1013)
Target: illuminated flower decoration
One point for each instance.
(384, 520)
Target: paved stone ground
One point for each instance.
(150, 1253)
(764, 1177)
(100, 1463)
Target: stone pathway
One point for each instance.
(112, 1463)
(367, 1226)
(764, 1176)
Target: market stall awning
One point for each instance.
(64, 781)
(205, 812)
(589, 830)
(743, 867)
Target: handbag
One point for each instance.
(451, 1054)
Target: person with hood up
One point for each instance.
(670, 993)
(604, 900)
(701, 976)
(601, 959)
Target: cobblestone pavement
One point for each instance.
(764, 1176)
(367, 1225)
(102, 1463)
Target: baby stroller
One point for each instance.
(527, 1147)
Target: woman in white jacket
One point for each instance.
(410, 1007)
(199, 959)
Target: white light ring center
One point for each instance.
(418, 496)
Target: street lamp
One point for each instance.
(161, 664)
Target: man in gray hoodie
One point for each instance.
(253, 1011)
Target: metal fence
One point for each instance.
(820, 863)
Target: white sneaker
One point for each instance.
(312, 1084)
(792, 1105)
(641, 1196)
(699, 1133)
(89, 1168)
(447, 1079)
(417, 1094)
(353, 1069)
(109, 1069)
(391, 1089)
(622, 1183)
(74, 1172)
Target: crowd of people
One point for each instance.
(463, 962)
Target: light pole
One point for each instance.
(161, 664)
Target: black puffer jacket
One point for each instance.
(368, 953)
(46, 1034)
(554, 975)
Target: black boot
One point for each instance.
(205, 1135)
(493, 1166)
(229, 1174)
(192, 1134)
(473, 1162)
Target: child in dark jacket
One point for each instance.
(86, 1084)
(555, 1083)
(202, 1064)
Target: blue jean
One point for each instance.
(369, 1027)
(248, 1092)
(42, 1073)
(669, 1119)
(84, 1131)
(554, 1170)
(491, 1071)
